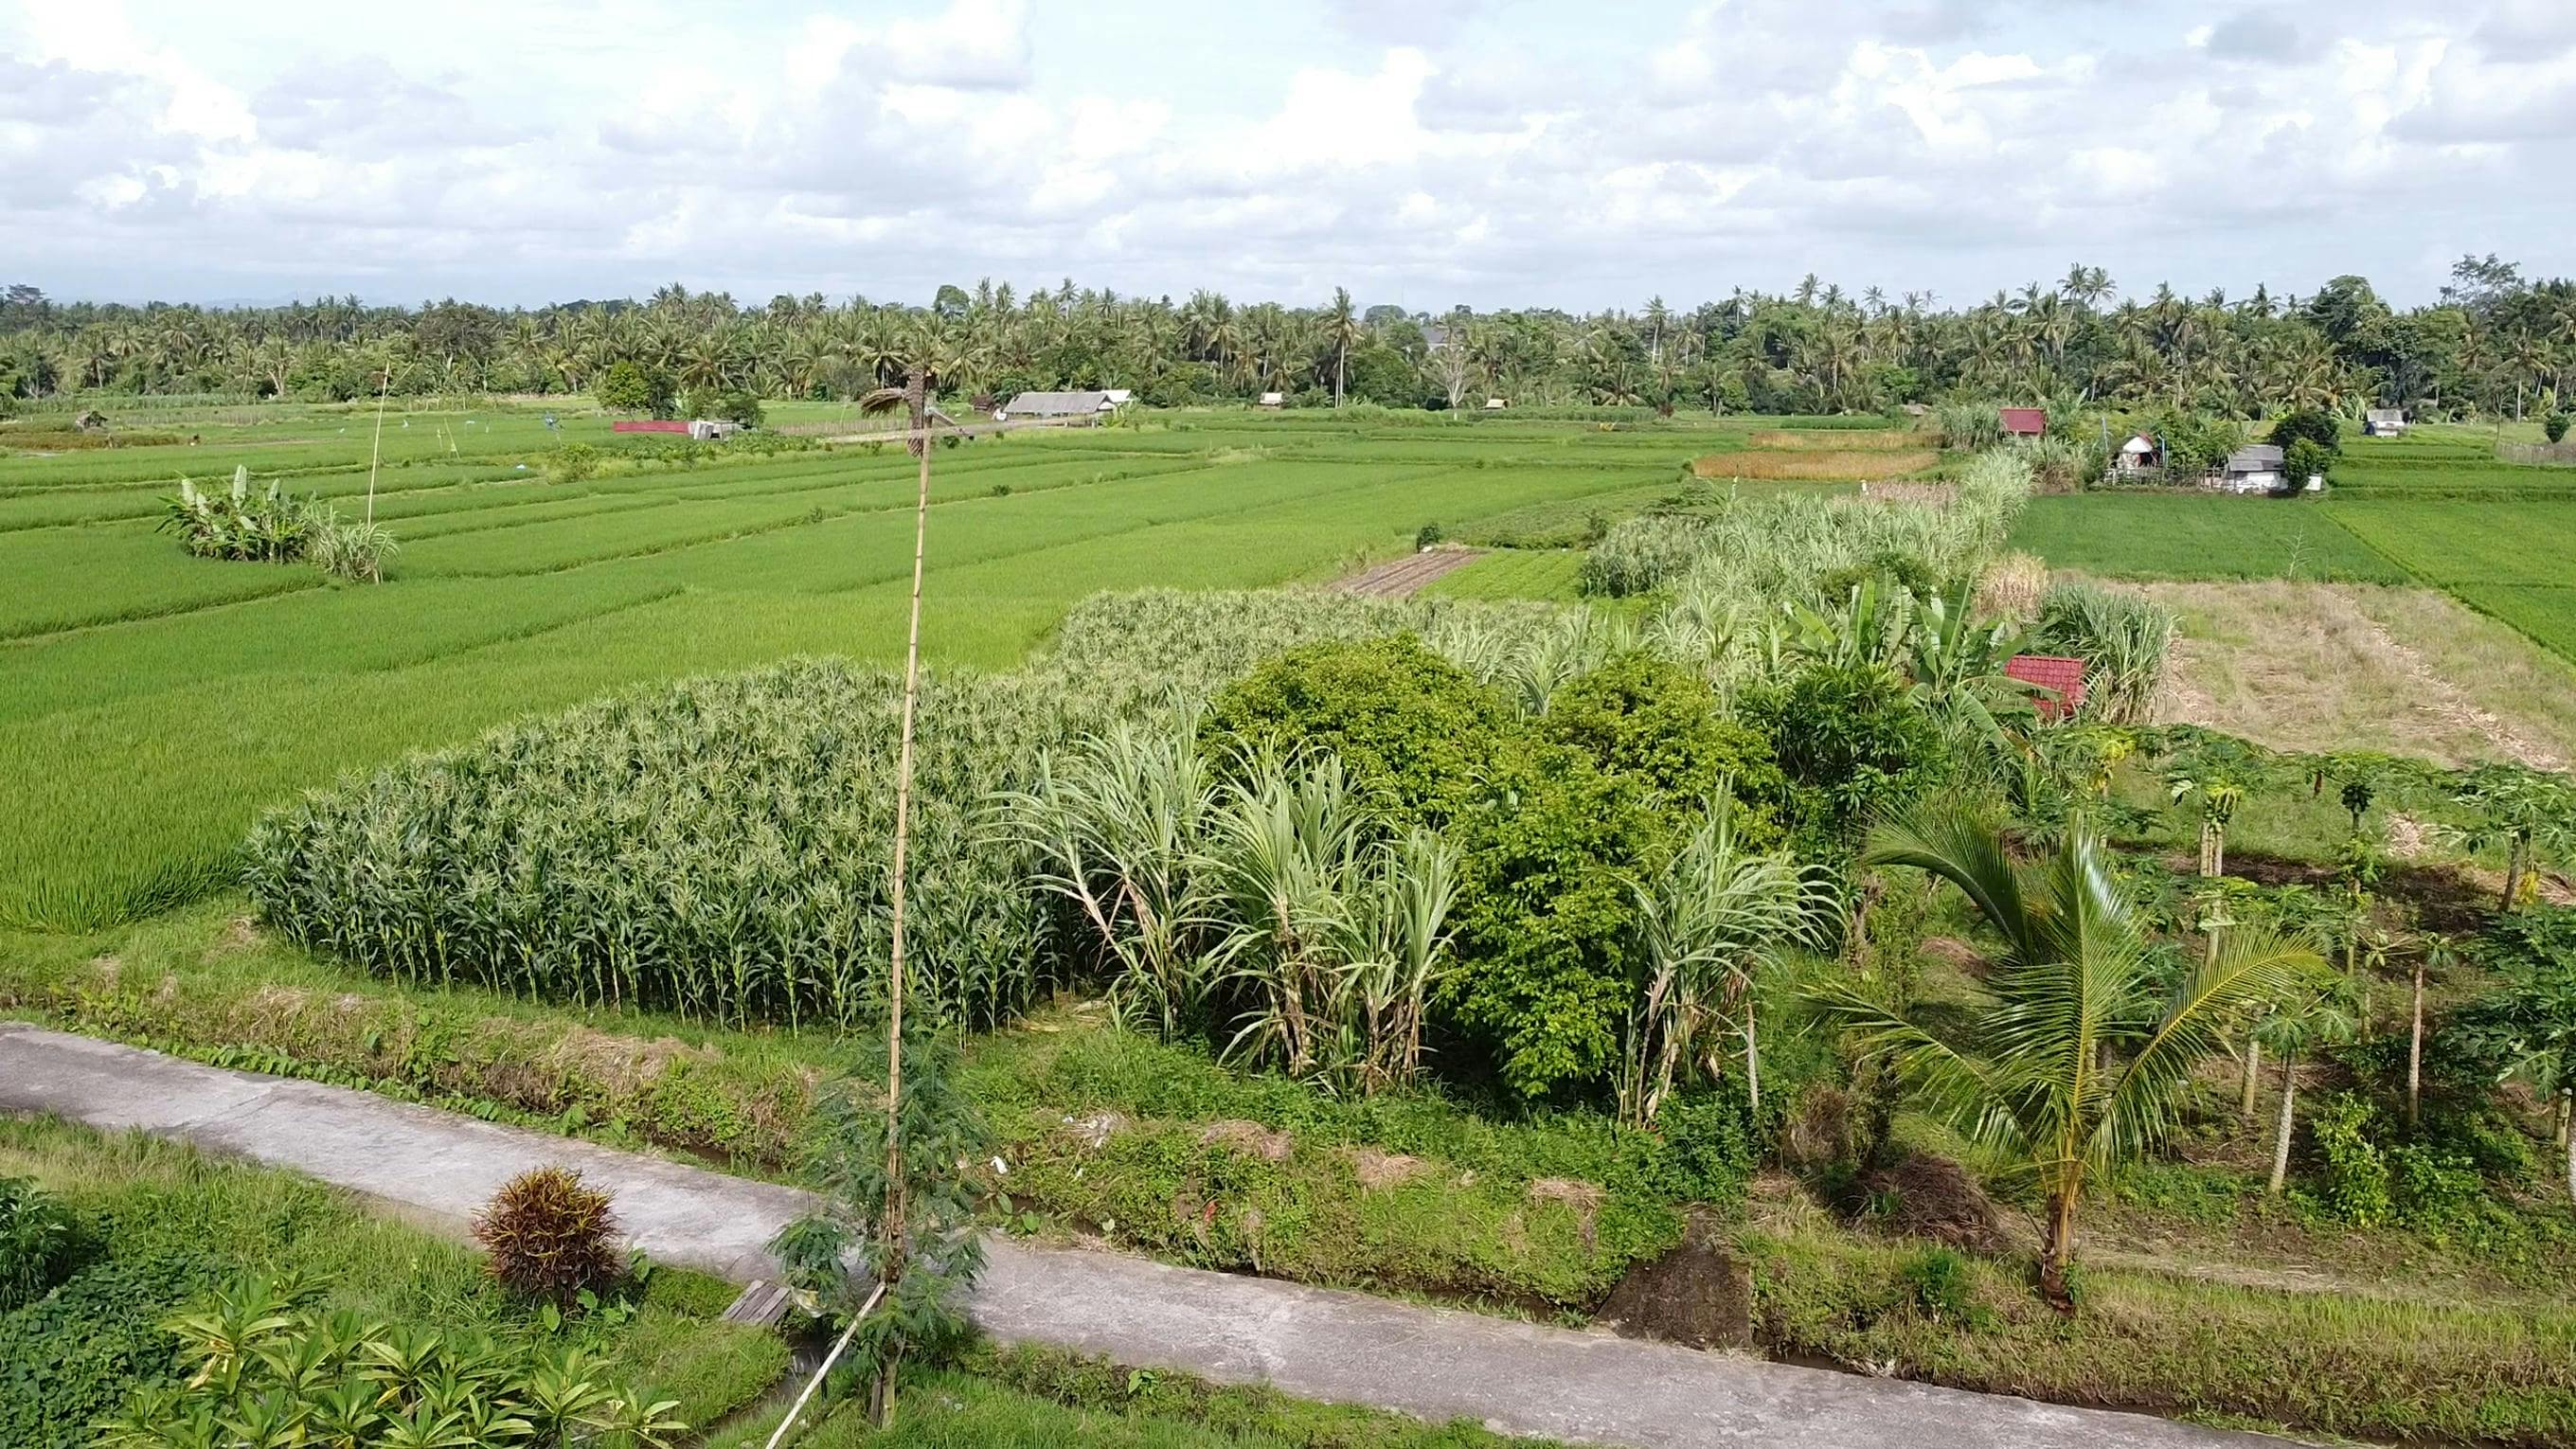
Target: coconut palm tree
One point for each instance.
(2083, 1050)
(1341, 333)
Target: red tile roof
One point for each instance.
(2062, 676)
(2025, 422)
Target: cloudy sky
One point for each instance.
(1423, 152)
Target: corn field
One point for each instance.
(1772, 548)
(720, 848)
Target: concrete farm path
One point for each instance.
(1438, 1364)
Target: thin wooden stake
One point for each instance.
(891, 1265)
(829, 1359)
(378, 451)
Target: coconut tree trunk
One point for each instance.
(2567, 1139)
(1752, 1056)
(2057, 1250)
(2281, 1140)
(2415, 1050)
(2253, 1067)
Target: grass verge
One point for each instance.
(160, 1223)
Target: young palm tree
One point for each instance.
(1341, 332)
(2083, 1051)
(2313, 1019)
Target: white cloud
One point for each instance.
(1501, 152)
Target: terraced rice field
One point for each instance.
(151, 704)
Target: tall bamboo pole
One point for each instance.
(377, 452)
(890, 1258)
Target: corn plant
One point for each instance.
(1707, 924)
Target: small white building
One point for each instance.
(2383, 422)
(2254, 468)
(1055, 405)
(1274, 400)
(2138, 455)
(1495, 404)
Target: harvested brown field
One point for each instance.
(2365, 667)
(1849, 465)
(1835, 440)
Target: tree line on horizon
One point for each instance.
(2495, 342)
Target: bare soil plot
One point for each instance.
(1398, 578)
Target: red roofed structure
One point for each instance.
(2025, 422)
(2061, 676)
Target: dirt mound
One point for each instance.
(1249, 1138)
(1929, 1196)
(1699, 1294)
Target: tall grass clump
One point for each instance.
(1642, 554)
(1774, 549)
(1970, 427)
(2122, 638)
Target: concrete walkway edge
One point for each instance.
(1437, 1364)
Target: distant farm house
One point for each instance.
(2061, 677)
(1274, 400)
(2139, 456)
(1060, 404)
(2383, 422)
(2025, 422)
(705, 430)
(1495, 404)
(2254, 468)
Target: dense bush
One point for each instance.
(1554, 814)
(2313, 426)
(2554, 426)
(35, 1241)
(266, 525)
(628, 387)
(548, 1235)
(1852, 743)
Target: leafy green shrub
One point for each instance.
(35, 1242)
(1410, 726)
(726, 404)
(2554, 427)
(1427, 535)
(2313, 426)
(571, 462)
(265, 1362)
(2429, 1184)
(266, 526)
(2352, 1174)
(547, 1235)
(1852, 743)
(1709, 1150)
(2305, 459)
(628, 387)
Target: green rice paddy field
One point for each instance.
(151, 704)
(2433, 508)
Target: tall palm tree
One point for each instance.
(2083, 1050)
(1341, 333)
